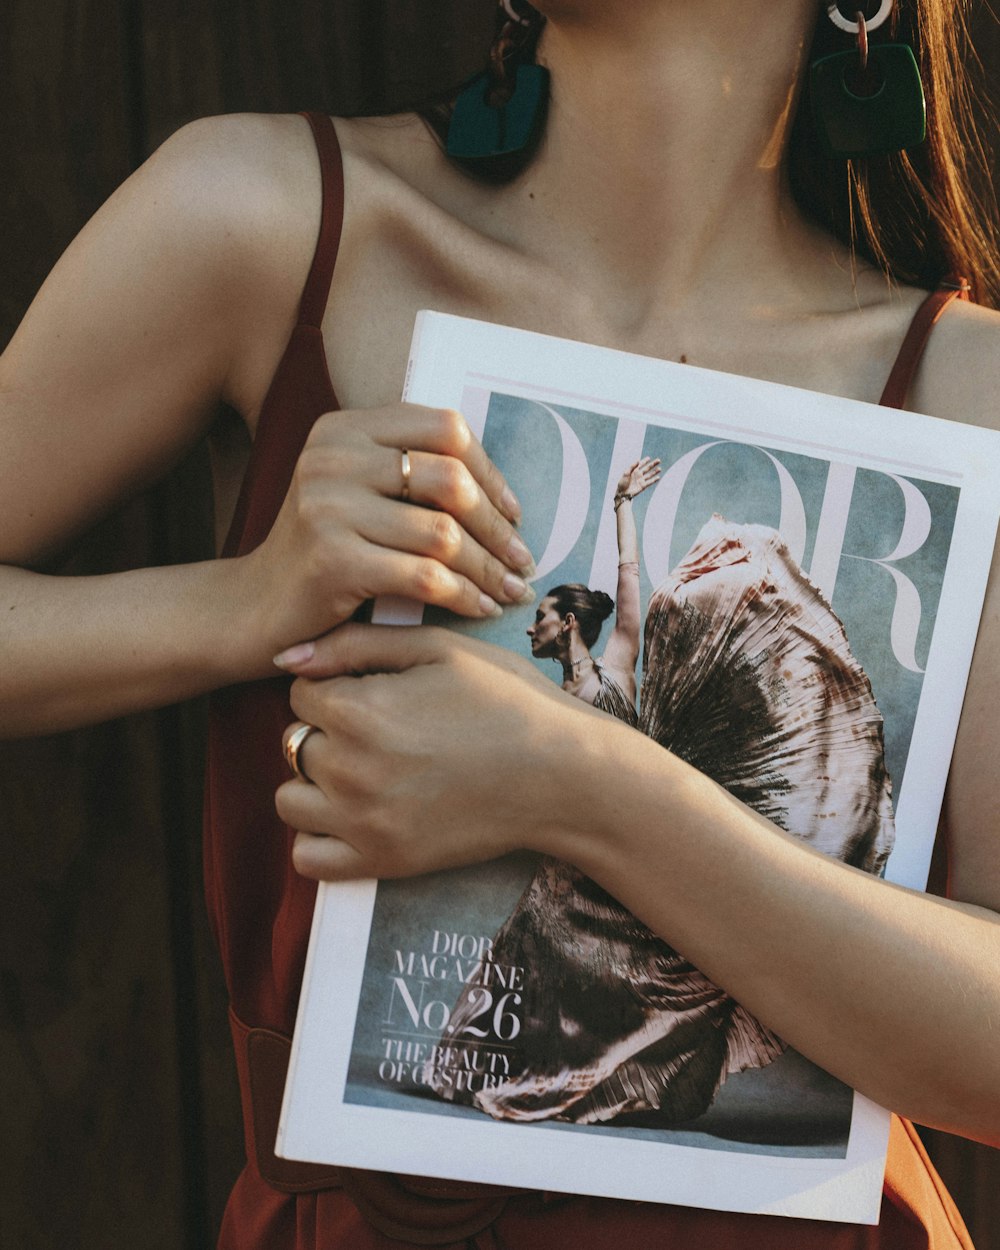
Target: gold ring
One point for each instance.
(292, 748)
(404, 494)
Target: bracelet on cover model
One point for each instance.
(622, 497)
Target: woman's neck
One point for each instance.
(663, 149)
(577, 664)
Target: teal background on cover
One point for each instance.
(741, 484)
(790, 1107)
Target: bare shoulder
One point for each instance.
(235, 201)
(400, 146)
(179, 292)
(396, 168)
(960, 375)
(243, 181)
(222, 215)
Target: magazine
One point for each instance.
(811, 572)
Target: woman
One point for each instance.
(569, 619)
(188, 287)
(640, 1029)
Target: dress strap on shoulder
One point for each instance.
(897, 386)
(317, 288)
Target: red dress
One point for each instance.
(261, 911)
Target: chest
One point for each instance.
(385, 275)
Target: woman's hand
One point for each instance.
(443, 751)
(432, 750)
(637, 478)
(362, 520)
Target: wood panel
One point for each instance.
(118, 1088)
(118, 1082)
(91, 1082)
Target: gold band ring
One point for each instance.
(404, 494)
(292, 748)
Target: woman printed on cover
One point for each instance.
(675, 202)
(568, 620)
(748, 676)
(636, 1028)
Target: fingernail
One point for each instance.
(489, 607)
(509, 503)
(519, 555)
(292, 657)
(516, 590)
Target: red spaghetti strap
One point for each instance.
(301, 388)
(897, 386)
(317, 288)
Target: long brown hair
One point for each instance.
(921, 215)
(930, 211)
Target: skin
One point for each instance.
(715, 879)
(183, 291)
(544, 630)
(558, 637)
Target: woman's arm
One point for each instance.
(893, 991)
(180, 293)
(82, 649)
(114, 372)
(622, 650)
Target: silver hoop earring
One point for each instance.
(851, 28)
(514, 16)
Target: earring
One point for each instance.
(502, 111)
(869, 101)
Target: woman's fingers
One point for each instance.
(645, 473)
(345, 533)
(443, 538)
(410, 427)
(447, 485)
(324, 857)
(354, 649)
(640, 475)
(445, 469)
(426, 580)
(446, 433)
(400, 714)
(317, 852)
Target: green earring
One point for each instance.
(867, 102)
(501, 112)
(480, 130)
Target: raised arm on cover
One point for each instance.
(622, 650)
(893, 991)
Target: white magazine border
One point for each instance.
(317, 1124)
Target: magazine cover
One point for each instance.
(781, 587)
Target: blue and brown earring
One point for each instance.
(870, 100)
(501, 112)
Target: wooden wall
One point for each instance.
(120, 1109)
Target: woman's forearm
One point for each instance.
(77, 650)
(622, 649)
(895, 992)
(628, 540)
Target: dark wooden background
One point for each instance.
(118, 1093)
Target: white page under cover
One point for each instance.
(885, 521)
